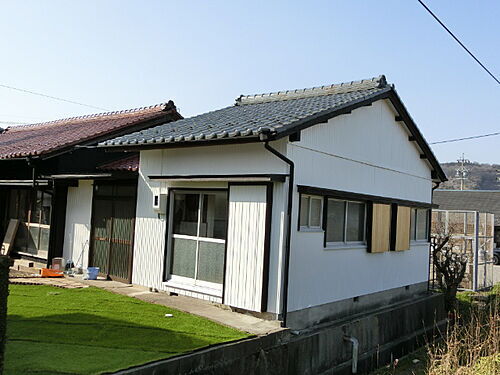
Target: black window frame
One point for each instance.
(368, 200)
(308, 227)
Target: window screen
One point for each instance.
(311, 209)
(335, 222)
(345, 221)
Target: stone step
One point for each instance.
(26, 265)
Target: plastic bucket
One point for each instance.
(92, 273)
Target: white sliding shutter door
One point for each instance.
(246, 247)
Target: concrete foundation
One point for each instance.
(328, 312)
(385, 333)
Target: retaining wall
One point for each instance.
(383, 334)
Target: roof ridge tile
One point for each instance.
(160, 106)
(336, 88)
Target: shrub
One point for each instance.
(471, 345)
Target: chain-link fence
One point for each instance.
(471, 234)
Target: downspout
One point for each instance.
(355, 349)
(429, 226)
(264, 136)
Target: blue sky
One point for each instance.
(203, 54)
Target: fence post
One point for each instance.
(5, 263)
(476, 253)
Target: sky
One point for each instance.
(203, 54)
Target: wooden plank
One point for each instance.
(380, 228)
(403, 229)
(10, 236)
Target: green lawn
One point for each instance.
(91, 331)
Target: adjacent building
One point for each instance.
(486, 201)
(47, 172)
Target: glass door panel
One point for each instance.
(211, 261)
(121, 238)
(102, 230)
(184, 257)
(198, 233)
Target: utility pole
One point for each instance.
(462, 171)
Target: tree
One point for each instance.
(450, 265)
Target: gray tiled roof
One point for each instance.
(251, 115)
(473, 200)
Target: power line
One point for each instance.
(465, 138)
(52, 97)
(458, 41)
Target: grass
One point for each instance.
(92, 331)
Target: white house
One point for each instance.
(303, 205)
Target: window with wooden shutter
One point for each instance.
(380, 228)
(402, 230)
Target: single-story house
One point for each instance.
(471, 200)
(303, 205)
(44, 170)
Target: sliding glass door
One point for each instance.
(197, 237)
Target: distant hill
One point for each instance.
(480, 177)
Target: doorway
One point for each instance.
(113, 226)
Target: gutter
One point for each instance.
(264, 136)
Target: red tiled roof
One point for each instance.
(130, 163)
(47, 137)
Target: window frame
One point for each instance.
(414, 225)
(345, 243)
(177, 281)
(308, 227)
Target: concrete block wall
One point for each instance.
(383, 334)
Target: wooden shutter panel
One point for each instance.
(380, 228)
(403, 229)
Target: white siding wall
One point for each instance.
(149, 242)
(150, 231)
(245, 247)
(362, 152)
(78, 217)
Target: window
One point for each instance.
(33, 210)
(345, 222)
(198, 236)
(311, 209)
(419, 224)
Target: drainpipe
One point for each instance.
(429, 226)
(355, 349)
(264, 136)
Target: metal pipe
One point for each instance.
(355, 350)
(429, 238)
(291, 167)
(476, 254)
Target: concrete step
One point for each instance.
(26, 265)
